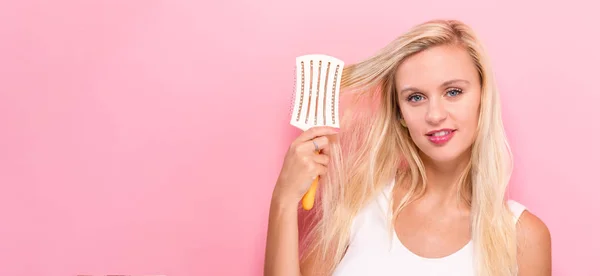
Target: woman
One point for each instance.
(420, 189)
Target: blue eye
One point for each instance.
(414, 98)
(454, 92)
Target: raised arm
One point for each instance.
(300, 167)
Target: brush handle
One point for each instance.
(308, 200)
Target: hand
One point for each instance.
(302, 164)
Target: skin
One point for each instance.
(437, 224)
(301, 165)
(439, 89)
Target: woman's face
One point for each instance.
(439, 97)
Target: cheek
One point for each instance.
(467, 117)
(472, 110)
(414, 118)
(415, 123)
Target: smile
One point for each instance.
(441, 136)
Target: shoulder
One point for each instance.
(533, 242)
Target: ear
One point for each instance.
(402, 122)
(399, 117)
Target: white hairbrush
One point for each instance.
(316, 100)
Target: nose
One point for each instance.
(436, 113)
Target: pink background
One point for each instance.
(144, 137)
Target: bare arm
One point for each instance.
(282, 239)
(301, 166)
(534, 244)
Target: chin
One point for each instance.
(444, 154)
(439, 157)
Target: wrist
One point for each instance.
(281, 200)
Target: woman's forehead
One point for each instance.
(436, 66)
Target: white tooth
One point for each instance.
(441, 133)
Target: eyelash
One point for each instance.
(409, 98)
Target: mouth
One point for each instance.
(440, 136)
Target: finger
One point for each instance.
(321, 170)
(324, 170)
(321, 159)
(326, 151)
(315, 132)
(319, 143)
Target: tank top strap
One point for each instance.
(516, 208)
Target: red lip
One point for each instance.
(440, 140)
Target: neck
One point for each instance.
(443, 179)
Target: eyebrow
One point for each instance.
(446, 83)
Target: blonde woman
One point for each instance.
(414, 181)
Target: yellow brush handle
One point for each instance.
(308, 200)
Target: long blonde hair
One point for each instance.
(377, 149)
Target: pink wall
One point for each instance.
(144, 137)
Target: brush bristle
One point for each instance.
(316, 91)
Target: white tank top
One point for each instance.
(371, 252)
